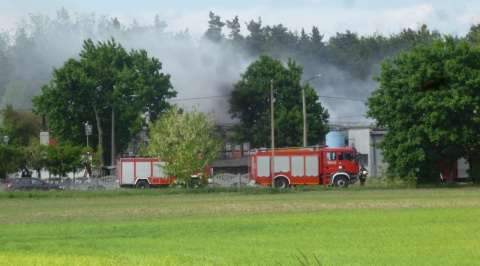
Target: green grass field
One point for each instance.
(351, 226)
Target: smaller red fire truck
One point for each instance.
(304, 166)
(141, 173)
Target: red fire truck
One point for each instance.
(141, 173)
(304, 166)
(460, 170)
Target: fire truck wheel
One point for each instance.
(281, 182)
(142, 184)
(341, 181)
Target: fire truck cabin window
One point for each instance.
(347, 156)
(331, 156)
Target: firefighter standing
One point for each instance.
(362, 175)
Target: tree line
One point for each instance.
(103, 72)
(40, 42)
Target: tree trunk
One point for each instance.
(100, 142)
(450, 178)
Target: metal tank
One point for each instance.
(335, 139)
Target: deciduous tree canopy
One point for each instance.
(250, 104)
(184, 139)
(429, 99)
(106, 83)
(65, 159)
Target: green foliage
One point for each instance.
(236, 39)
(304, 261)
(235, 30)
(250, 104)
(36, 156)
(280, 40)
(12, 159)
(96, 158)
(473, 35)
(184, 139)
(429, 100)
(22, 128)
(62, 160)
(21, 125)
(106, 82)
(408, 38)
(215, 25)
(360, 56)
(255, 41)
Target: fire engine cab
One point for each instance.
(304, 166)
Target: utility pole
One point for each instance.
(113, 137)
(272, 159)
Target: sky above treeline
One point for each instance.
(364, 17)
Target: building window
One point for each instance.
(363, 159)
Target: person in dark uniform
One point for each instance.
(362, 175)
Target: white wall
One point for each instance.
(363, 139)
(360, 139)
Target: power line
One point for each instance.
(348, 116)
(198, 98)
(220, 96)
(342, 98)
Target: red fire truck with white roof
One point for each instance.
(304, 166)
(146, 173)
(141, 173)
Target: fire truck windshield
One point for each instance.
(346, 156)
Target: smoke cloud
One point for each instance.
(203, 73)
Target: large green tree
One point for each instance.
(106, 84)
(429, 99)
(185, 140)
(250, 104)
(61, 160)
